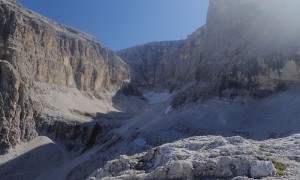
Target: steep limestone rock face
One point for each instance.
(245, 48)
(50, 63)
(251, 27)
(47, 52)
(248, 49)
(153, 61)
(249, 40)
(16, 112)
(163, 62)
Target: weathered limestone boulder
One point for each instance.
(16, 112)
(209, 157)
(262, 169)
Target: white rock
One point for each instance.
(262, 169)
(169, 109)
(198, 157)
(180, 170)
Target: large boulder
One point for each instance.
(207, 157)
(262, 169)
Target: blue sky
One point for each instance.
(120, 24)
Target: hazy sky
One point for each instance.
(124, 23)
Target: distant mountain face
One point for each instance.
(249, 45)
(163, 62)
(41, 57)
(152, 62)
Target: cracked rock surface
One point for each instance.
(209, 157)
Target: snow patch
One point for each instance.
(126, 80)
(154, 98)
(169, 109)
(142, 142)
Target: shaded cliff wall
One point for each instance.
(250, 46)
(162, 62)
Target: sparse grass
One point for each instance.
(280, 167)
(133, 159)
(280, 172)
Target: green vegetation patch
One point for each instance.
(133, 158)
(280, 167)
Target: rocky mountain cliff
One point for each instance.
(41, 57)
(47, 52)
(163, 62)
(16, 111)
(63, 86)
(247, 46)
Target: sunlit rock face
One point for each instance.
(249, 45)
(41, 57)
(47, 52)
(207, 157)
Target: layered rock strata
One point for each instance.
(42, 57)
